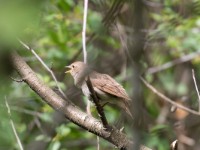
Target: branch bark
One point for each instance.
(96, 102)
(66, 107)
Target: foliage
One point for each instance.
(54, 29)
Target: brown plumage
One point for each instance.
(106, 88)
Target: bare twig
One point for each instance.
(96, 102)
(98, 146)
(84, 30)
(172, 63)
(45, 66)
(196, 87)
(168, 99)
(17, 80)
(26, 111)
(13, 126)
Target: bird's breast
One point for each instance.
(102, 95)
(85, 90)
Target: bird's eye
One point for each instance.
(72, 66)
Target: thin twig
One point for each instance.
(196, 87)
(154, 90)
(45, 66)
(96, 102)
(25, 111)
(172, 63)
(84, 30)
(98, 146)
(13, 126)
(17, 80)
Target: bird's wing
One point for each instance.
(107, 84)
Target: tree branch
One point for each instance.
(71, 112)
(96, 102)
(45, 66)
(174, 62)
(165, 98)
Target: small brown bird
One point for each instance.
(106, 88)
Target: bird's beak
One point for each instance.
(68, 67)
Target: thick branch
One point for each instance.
(66, 107)
(71, 112)
(45, 66)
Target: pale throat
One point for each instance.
(79, 78)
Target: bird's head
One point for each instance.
(76, 68)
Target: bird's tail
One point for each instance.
(126, 106)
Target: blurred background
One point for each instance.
(158, 39)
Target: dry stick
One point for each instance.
(167, 65)
(196, 87)
(96, 102)
(73, 113)
(13, 126)
(154, 90)
(45, 66)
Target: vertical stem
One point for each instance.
(13, 127)
(196, 87)
(84, 30)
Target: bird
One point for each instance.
(106, 88)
